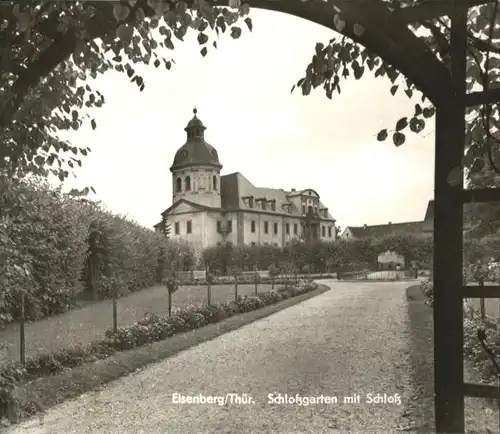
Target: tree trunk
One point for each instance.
(208, 294)
(235, 291)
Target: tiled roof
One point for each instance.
(234, 187)
(405, 227)
(383, 230)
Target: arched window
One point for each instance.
(188, 183)
(178, 185)
(215, 182)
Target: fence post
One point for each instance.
(21, 330)
(481, 303)
(169, 303)
(115, 313)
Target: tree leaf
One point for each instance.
(203, 51)
(92, 122)
(394, 89)
(382, 135)
(455, 177)
(358, 72)
(358, 29)
(398, 138)
(248, 22)
(418, 110)
(409, 92)
(417, 125)
(402, 124)
(428, 112)
(120, 12)
(202, 38)
(125, 33)
(235, 32)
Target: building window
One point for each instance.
(250, 202)
(177, 231)
(295, 228)
(303, 209)
(178, 185)
(189, 226)
(287, 228)
(263, 204)
(323, 231)
(230, 226)
(252, 226)
(214, 181)
(315, 210)
(329, 231)
(219, 227)
(273, 205)
(188, 183)
(266, 227)
(275, 228)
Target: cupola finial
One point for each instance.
(195, 111)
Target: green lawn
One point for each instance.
(89, 323)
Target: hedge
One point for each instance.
(151, 328)
(320, 257)
(46, 252)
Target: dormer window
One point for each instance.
(250, 202)
(273, 205)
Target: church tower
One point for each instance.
(196, 168)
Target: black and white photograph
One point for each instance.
(249, 216)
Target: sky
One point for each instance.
(273, 137)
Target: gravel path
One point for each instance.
(350, 340)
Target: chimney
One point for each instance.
(293, 190)
(390, 223)
(364, 226)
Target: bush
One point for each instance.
(473, 349)
(49, 239)
(428, 290)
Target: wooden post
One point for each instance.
(208, 293)
(235, 289)
(115, 314)
(482, 306)
(21, 330)
(169, 303)
(448, 237)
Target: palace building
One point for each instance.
(210, 209)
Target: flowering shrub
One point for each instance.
(428, 290)
(473, 349)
